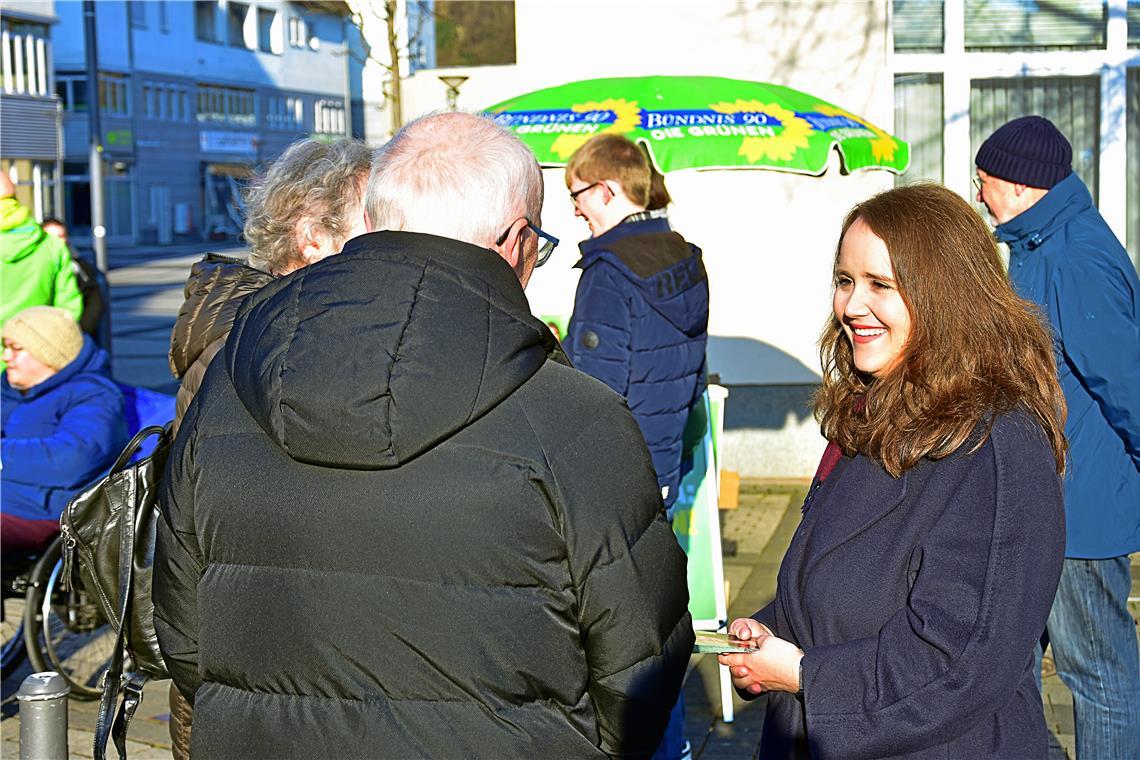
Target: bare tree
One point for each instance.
(393, 92)
(385, 13)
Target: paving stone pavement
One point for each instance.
(149, 737)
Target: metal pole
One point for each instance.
(43, 717)
(57, 203)
(95, 155)
(345, 24)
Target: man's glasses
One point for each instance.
(574, 195)
(546, 242)
(978, 183)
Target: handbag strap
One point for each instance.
(132, 698)
(134, 444)
(112, 678)
(111, 683)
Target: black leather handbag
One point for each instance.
(108, 534)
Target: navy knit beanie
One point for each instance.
(1029, 151)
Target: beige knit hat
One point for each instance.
(47, 333)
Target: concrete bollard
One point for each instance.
(43, 717)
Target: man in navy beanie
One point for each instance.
(1064, 257)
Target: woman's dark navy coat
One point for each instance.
(918, 602)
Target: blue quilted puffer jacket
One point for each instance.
(59, 435)
(640, 325)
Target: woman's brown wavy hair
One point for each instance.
(975, 347)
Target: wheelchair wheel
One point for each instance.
(12, 634)
(65, 631)
(14, 569)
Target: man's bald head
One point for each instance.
(456, 175)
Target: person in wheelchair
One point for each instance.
(61, 422)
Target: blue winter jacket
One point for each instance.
(1064, 257)
(59, 436)
(640, 325)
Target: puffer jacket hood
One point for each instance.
(662, 265)
(21, 233)
(380, 399)
(37, 267)
(214, 291)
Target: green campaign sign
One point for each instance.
(696, 520)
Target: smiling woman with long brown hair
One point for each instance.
(915, 589)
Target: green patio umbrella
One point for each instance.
(695, 122)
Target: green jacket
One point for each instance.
(35, 267)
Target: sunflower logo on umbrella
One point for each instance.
(781, 146)
(627, 115)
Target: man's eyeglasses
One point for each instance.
(978, 183)
(546, 242)
(574, 195)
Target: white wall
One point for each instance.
(768, 237)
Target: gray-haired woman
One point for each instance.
(301, 208)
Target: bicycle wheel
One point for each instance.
(65, 631)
